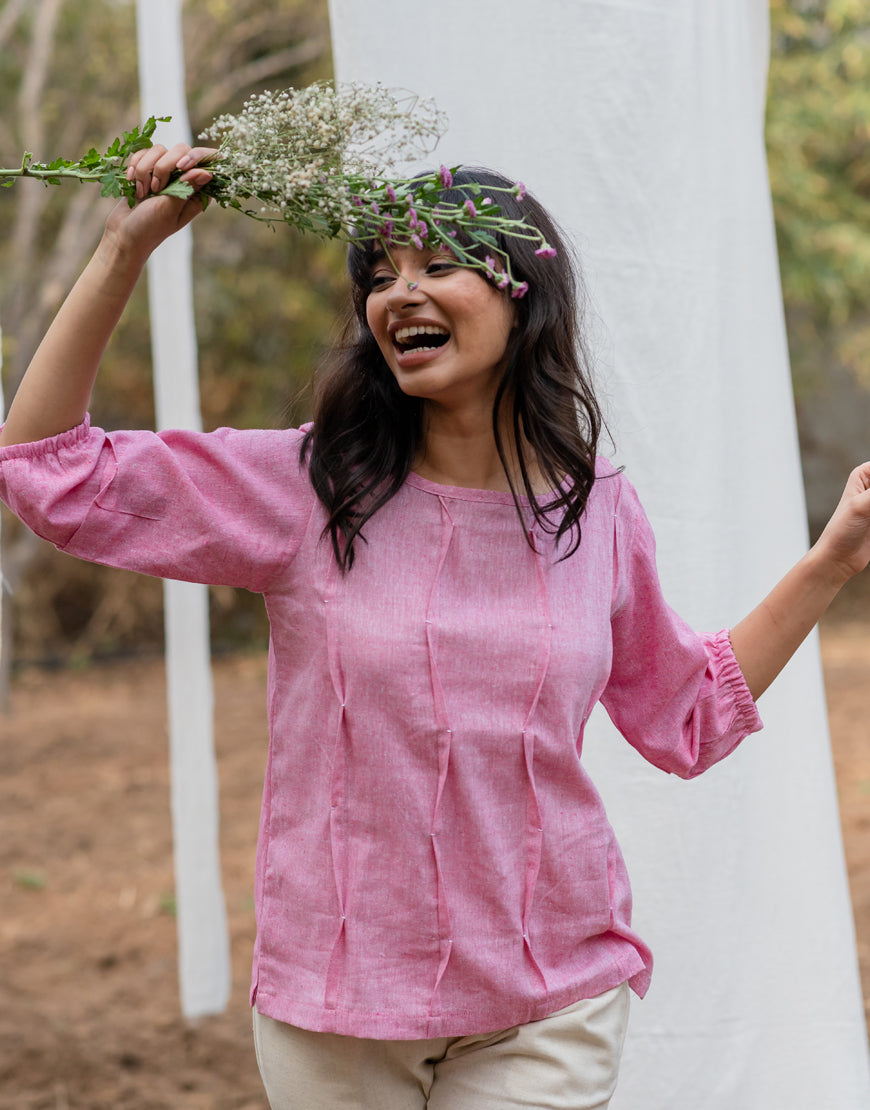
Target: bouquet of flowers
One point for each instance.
(320, 159)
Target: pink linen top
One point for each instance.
(433, 859)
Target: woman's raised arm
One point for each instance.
(55, 391)
(766, 639)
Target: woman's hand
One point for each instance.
(844, 545)
(766, 639)
(137, 231)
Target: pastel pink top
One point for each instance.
(433, 858)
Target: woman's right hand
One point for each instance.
(137, 231)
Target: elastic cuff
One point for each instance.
(50, 446)
(730, 673)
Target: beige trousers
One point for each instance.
(567, 1061)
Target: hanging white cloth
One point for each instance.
(203, 940)
(640, 124)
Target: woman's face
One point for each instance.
(443, 329)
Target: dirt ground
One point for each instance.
(88, 995)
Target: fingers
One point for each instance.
(152, 168)
(196, 155)
(861, 475)
(858, 484)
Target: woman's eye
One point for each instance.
(380, 281)
(440, 267)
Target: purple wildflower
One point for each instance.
(487, 200)
(387, 230)
(391, 193)
(520, 289)
(412, 218)
(422, 229)
(412, 285)
(490, 266)
(446, 177)
(356, 201)
(546, 251)
(453, 233)
(417, 241)
(520, 191)
(375, 208)
(502, 281)
(469, 205)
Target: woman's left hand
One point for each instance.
(766, 639)
(844, 545)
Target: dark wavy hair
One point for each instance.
(366, 432)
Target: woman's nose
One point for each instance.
(404, 291)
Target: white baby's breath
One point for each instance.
(302, 152)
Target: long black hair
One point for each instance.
(366, 432)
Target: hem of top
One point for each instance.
(398, 1027)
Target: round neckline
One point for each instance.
(464, 493)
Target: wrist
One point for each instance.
(118, 262)
(824, 570)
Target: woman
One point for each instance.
(453, 579)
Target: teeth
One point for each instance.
(404, 334)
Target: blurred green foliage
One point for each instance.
(818, 139)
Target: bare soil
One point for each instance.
(89, 1014)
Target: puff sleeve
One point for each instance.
(226, 508)
(678, 697)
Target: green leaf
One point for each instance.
(110, 186)
(180, 189)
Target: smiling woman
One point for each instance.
(443, 911)
(505, 403)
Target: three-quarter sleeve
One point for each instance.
(678, 697)
(226, 507)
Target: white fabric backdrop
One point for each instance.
(203, 938)
(639, 122)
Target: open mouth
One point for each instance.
(420, 337)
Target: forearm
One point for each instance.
(766, 639)
(55, 391)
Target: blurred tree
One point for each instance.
(265, 300)
(818, 137)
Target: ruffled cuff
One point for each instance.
(725, 663)
(50, 446)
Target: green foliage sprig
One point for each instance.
(108, 169)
